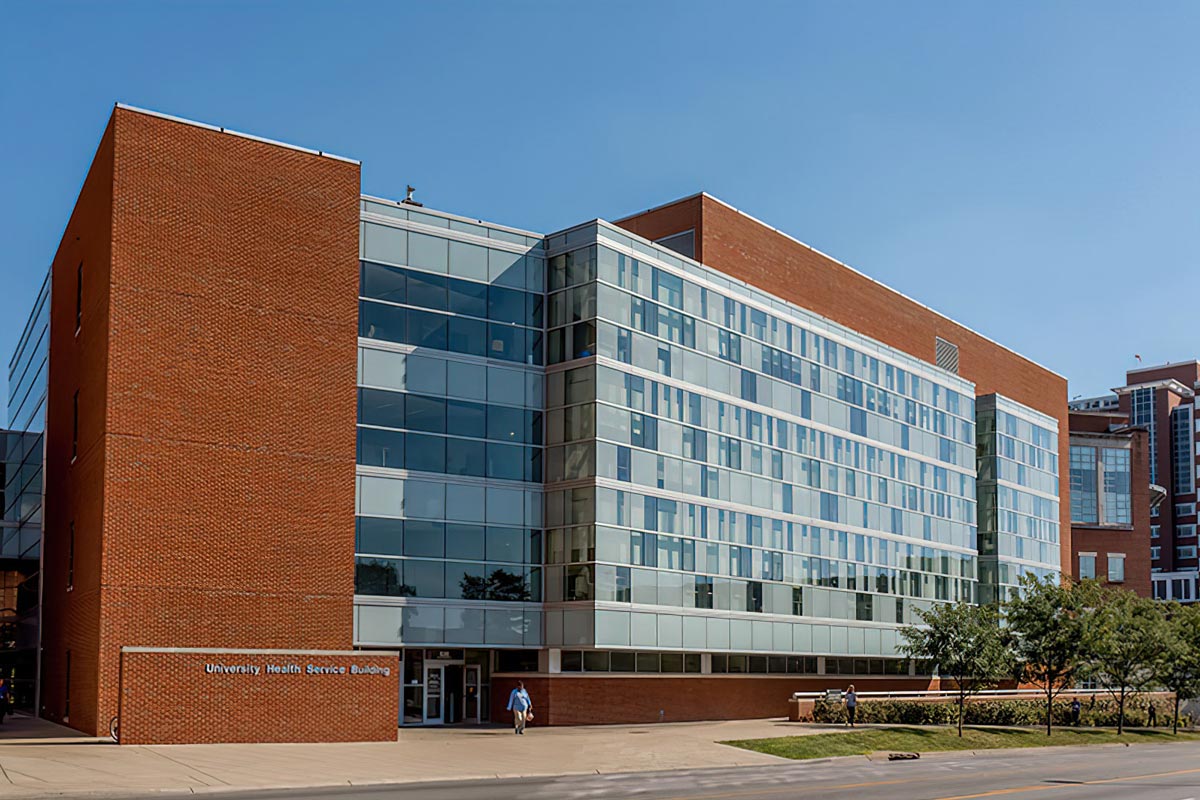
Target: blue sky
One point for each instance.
(1029, 169)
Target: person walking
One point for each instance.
(521, 707)
(851, 700)
(5, 698)
(1075, 709)
(1153, 714)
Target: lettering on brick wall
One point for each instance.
(296, 669)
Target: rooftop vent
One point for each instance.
(946, 355)
(408, 198)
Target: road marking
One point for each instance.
(1047, 787)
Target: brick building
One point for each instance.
(1111, 500)
(291, 430)
(1162, 399)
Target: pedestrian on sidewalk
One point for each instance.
(521, 707)
(851, 705)
(5, 698)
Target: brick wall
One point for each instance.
(171, 697)
(214, 495)
(1134, 540)
(738, 245)
(582, 699)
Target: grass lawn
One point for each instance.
(926, 740)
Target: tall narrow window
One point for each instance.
(67, 699)
(75, 426)
(71, 557)
(79, 297)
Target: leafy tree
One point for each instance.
(1046, 623)
(500, 585)
(966, 643)
(1124, 639)
(1178, 668)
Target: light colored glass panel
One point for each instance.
(464, 502)
(384, 369)
(506, 386)
(741, 635)
(643, 630)
(422, 625)
(468, 261)
(378, 625)
(425, 499)
(464, 626)
(506, 269)
(612, 628)
(718, 633)
(578, 627)
(695, 633)
(385, 244)
(382, 497)
(468, 381)
(670, 630)
(426, 375)
(428, 252)
(761, 635)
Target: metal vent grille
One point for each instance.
(947, 355)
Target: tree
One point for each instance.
(1045, 624)
(966, 643)
(1123, 641)
(1178, 668)
(500, 585)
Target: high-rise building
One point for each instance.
(1162, 399)
(286, 416)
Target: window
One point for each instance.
(1185, 509)
(1141, 404)
(1154, 531)
(75, 426)
(1084, 500)
(1118, 497)
(1155, 553)
(79, 297)
(71, 558)
(1087, 565)
(1116, 567)
(1182, 455)
(1185, 531)
(1185, 551)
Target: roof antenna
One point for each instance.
(409, 199)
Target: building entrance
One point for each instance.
(443, 687)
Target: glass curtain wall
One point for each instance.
(21, 526)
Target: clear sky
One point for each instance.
(1029, 169)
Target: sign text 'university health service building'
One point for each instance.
(318, 463)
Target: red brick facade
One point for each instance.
(1133, 540)
(582, 699)
(745, 248)
(174, 697)
(211, 489)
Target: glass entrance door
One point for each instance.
(471, 694)
(434, 673)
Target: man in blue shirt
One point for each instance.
(521, 706)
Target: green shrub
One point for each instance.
(1098, 712)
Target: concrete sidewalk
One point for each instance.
(38, 759)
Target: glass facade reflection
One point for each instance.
(21, 523)
(588, 447)
(1018, 496)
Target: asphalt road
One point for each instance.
(1139, 772)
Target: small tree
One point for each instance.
(967, 645)
(1123, 639)
(1178, 668)
(1045, 624)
